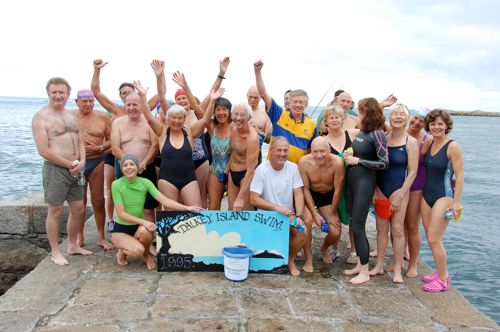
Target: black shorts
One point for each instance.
(109, 159)
(322, 199)
(127, 229)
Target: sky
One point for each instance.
(428, 53)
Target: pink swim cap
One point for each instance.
(179, 92)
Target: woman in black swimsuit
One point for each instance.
(177, 174)
(339, 141)
(370, 155)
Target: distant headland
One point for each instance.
(474, 113)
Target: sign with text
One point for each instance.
(193, 241)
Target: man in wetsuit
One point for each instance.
(95, 128)
(58, 140)
(323, 175)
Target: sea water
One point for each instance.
(472, 244)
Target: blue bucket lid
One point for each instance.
(237, 252)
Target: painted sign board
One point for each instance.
(193, 241)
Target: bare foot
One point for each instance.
(293, 269)
(389, 268)
(308, 266)
(376, 271)
(105, 244)
(150, 263)
(78, 251)
(121, 258)
(152, 250)
(352, 272)
(397, 278)
(360, 278)
(80, 240)
(326, 256)
(373, 253)
(412, 272)
(59, 259)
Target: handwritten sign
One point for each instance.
(193, 241)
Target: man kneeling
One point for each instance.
(277, 186)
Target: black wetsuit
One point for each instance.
(361, 179)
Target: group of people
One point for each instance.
(322, 173)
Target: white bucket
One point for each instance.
(236, 262)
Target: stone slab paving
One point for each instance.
(94, 293)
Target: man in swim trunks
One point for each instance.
(294, 125)
(323, 175)
(115, 111)
(58, 140)
(95, 128)
(245, 149)
(277, 186)
(132, 135)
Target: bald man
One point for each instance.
(323, 175)
(260, 121)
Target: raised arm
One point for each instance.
(95, 86)
(223, 65)
(257, 67)
(180, 79)
(198, 127)
(153, 122)
(389, 101)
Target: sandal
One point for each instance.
(435, 286)
(431, 277)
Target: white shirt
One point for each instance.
(277, 186)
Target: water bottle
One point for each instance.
(448, 215)
(81, 178)
(223, 178)
(324, 224)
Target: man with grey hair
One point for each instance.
(59, 141)
(277, 186)
(245, 149)
(293, 124)
(131, 134)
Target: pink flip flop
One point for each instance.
(435, 286)
(431, 277)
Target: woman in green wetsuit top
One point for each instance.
(132, 234)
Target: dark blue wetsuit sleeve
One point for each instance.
(380, 142)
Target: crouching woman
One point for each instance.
(132, 234)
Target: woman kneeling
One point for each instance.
(132, 234)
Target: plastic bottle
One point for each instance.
(299, 226)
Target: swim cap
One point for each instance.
(129, 157)
(423, 111)
(179, 92)
(85, 95)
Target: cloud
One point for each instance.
(198, 243)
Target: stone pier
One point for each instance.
(94, 293)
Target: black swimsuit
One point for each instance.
(177, 164)
(361, 180)
(347, 144)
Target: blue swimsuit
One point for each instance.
(439, 173)
(393, 177)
